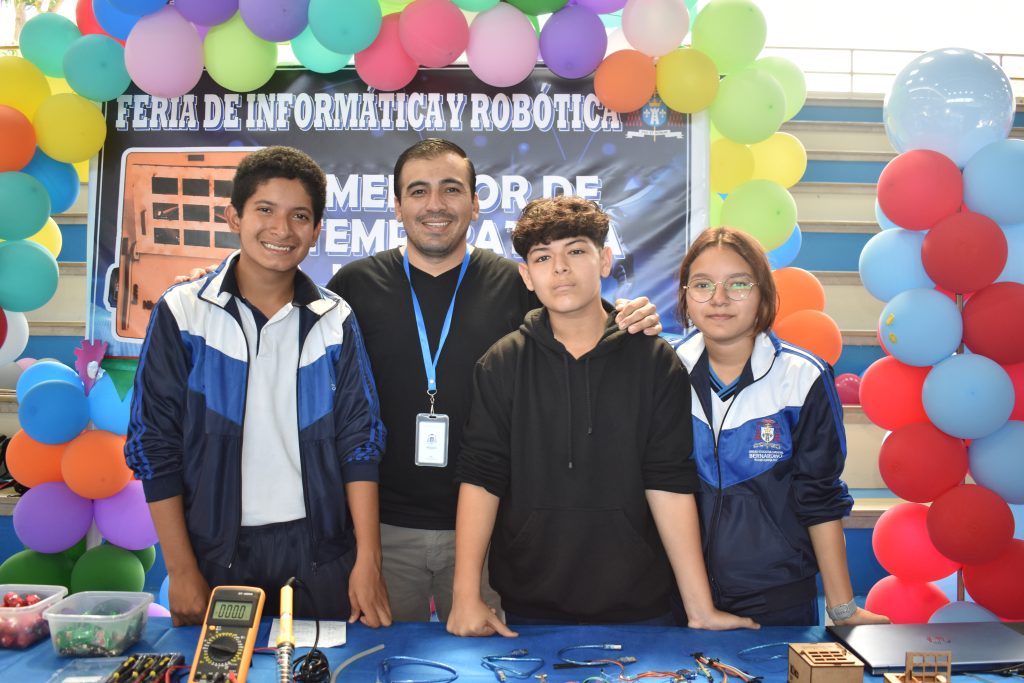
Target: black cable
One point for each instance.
(313, 666)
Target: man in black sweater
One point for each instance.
(428, 311)
(575, 463)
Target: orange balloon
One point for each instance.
(17, 139)
(814, 331)
(93, 464)
(32, 463)
(625, 80)
(798, 290)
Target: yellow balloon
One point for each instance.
(58, 85)
(687, 80)
(22, 85)
(732, 164)
(82, 167)
(714, 132)
(781, 158)
(50, 237)
(69, 128)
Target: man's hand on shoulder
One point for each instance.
(638, 315)
(195, 274)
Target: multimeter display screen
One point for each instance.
(224, 610)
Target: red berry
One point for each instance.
(11, 599)
(31, 599)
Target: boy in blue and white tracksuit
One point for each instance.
(772, 471)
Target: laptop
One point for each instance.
(978, 646)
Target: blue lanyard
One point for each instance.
(430, 364)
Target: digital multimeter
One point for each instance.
(229, 634)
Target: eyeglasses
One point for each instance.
(703, 290)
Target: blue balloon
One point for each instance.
(138, 7)
(54, 412)
(112, 20)
(24, 205)
(784, 254)
(921, 327)
(961, 611)
(997, 461)
(890, 263)
(1014, 269)
(164, 597)
(107, 410)
(883, 221)
(44, 371)
(954, 101)
(968, 396)
(60, 180)
(992, 182)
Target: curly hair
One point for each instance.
(279, 162)
(545, 220)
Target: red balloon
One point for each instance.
(919, 188)
(86, 20)
(890, 393)
(848, 388)
(3, 327)
(385, 64)
(970, 524)
(1016, 373)
(964, 252)
(903, 601)
(433, 32)
(919, 463)
(901, 544)
(994, 322)
(997, 585)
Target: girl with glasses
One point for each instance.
(769, 444)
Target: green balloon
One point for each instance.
(475, 5)
(28, 275)
(731, 32)
(44, 39)
(24, 205)
(75, 551)
(345, 27)
(536, 7)
(28, 566)
(94, 67)
(107, 568)
(314, 56)
(236, 58)
(750, 106)
(791, 78)
(147, 556)
(715, 203)
(763, 209)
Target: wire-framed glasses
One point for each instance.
(703, 290)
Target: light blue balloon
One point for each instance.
(890, 263)
(44, 39)
(954, 101)
(94, 68)
(164, 596)
(921, 327)
(138, 7)
(314, 56)
(1014, 269)
(107, 410)
(968, 396)
(883, 221)
(28, 275)
(997, 461)
(24, 205)
(43, 371)
(784, 254)
(345, 27)
(961, 611)
(54, 412)
(60, 180)
(992, 181)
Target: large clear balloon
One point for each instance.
(954, 101)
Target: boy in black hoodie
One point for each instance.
(575, 462)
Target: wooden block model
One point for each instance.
(823, 663)
(925, 667)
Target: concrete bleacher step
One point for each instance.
(824, 201)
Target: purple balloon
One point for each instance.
(50, 517)
(124, 519)
(207, 12)
(602, 6)
(573, 41)
(155, 609)
(275, 20)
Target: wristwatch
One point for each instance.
(843, 611)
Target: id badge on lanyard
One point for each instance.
(432, 428)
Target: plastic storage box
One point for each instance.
(97, 623)
(23, 626)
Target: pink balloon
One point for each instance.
(155, 609)
(655, 27)
(901, 544)
(503, 46)
(24, 363)
(433, 32)
(848, 388)
(385, 64)
(124, 519)
(164, 54)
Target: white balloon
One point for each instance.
(17, 337)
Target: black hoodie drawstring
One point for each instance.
(590, 409)
(568, 394)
